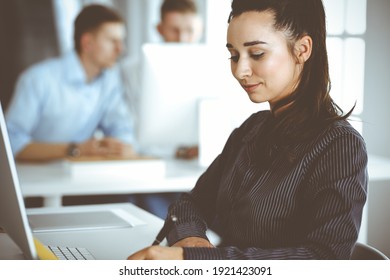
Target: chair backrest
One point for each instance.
(366, 252)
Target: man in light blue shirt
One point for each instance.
(60, 104)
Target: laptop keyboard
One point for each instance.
(69, 253)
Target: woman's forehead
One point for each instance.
(251, 26)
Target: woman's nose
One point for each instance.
(242, 69)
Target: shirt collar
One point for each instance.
(262, 118)
(74, 69)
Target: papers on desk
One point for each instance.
(83, 169)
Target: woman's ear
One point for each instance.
(303, 48)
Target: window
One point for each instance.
(346, 26)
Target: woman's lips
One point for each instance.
(251, 88)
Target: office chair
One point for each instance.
(366, 252)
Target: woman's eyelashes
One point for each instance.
(234, 58)
(257, 56)
(254, 56)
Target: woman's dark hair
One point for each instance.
(91, 18)
(310, 106)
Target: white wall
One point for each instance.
(376, 112)
(376, 116)
(377, 221)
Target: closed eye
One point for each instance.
(234, 58)
(257, 56)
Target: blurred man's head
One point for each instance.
(180, 21)
(99, 33)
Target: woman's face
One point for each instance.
(260, 59)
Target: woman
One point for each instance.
(291, 182)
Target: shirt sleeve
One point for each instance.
(20, 120)
(336, 194)
(117, 120)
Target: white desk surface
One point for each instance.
(48, 181)
(127, 241)
(51, 182)
(133, 239)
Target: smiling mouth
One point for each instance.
(251, 88)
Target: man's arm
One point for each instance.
(42, 152)
(106, 147)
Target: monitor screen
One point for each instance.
(176, 79)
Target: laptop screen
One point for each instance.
(13, 218)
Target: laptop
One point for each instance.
(106, 231)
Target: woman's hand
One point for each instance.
(158, 253)
(175, 252)
(193, 242)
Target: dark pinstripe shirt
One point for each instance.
(310, 208)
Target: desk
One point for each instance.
(126, 241)
(51, 182)
(115, 243)
(181, 175)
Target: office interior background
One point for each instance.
(358, 41)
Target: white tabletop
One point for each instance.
(125, 240)
(52, 181)
(138, 237)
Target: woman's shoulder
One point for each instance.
(341, 131)
(342, 127)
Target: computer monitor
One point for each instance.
(13, 218)
(175, 80)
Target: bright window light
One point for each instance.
(335, 16)
(353, 89)
(356, 17)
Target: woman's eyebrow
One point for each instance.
(248, 44)
(252, 43)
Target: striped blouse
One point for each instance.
(309, 208)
